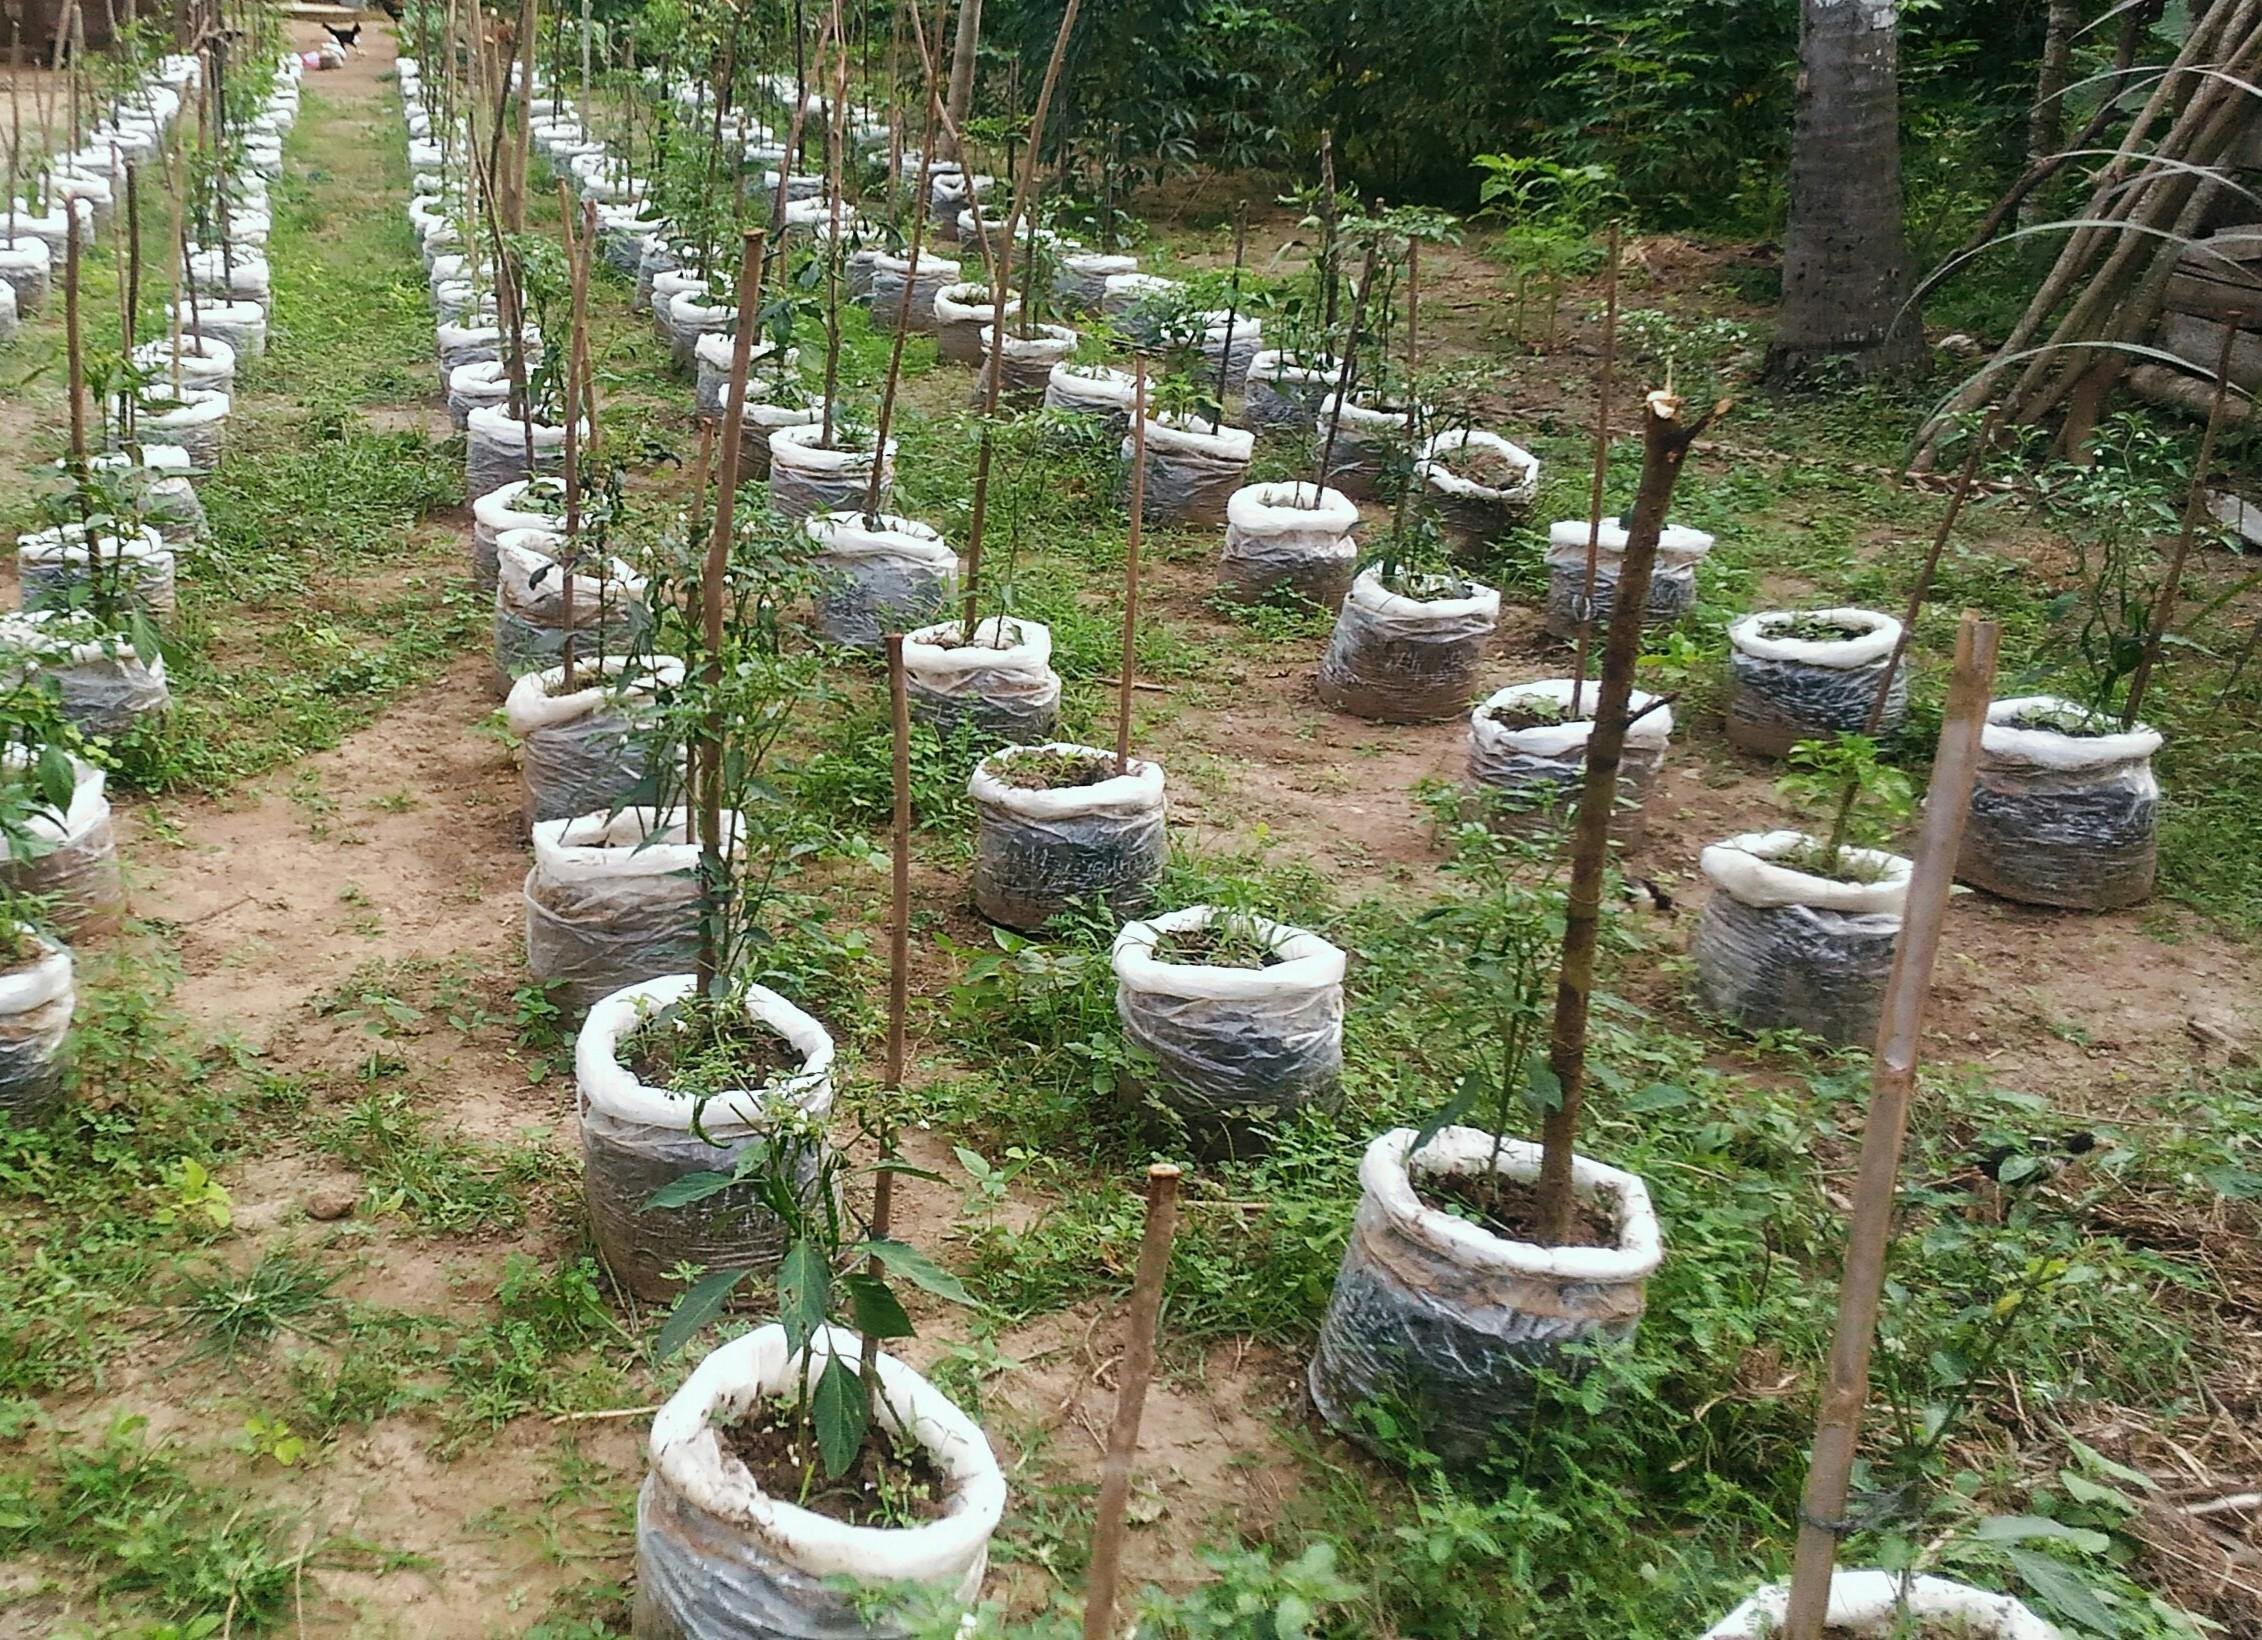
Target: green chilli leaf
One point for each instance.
(875, 1308)
(836, 1407)
(804, 1292)
(701, 1302)
(903, 1259)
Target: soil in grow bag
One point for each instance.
(1235, 1054)
(1409, 653)
(2063, 820)
(893, 1482)
(1779, 695)
(1038, 849)
(1510, 1208)
(1771, 962)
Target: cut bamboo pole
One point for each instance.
(2194, 508)
(569, 554)
(1127, 675)
(1666, 442)
(1892, 1080)
(71, 343)
(902, 314)
(899, 961)
(1601, 470)
(711, 859)
(1137, 1372)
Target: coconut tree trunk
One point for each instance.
(1846, 273)
(961, 102)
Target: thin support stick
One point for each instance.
(903, 312)
(569, 554)
(1667, 441)
(71, 337)
(1346, 376)
(711, 581)
(1126, 677)
(1232, 305)
(1601, 469)
(1130, 1402)
(899, 919)
(2195, 505)
(1892, 1078)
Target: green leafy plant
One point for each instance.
(1866, 798)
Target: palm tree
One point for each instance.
(1846, 271)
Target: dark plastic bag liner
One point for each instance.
(1037, 850)
(106, 688)
(892, 578)
(579, 753)
(1442, 1324)
(609, 617)
(1781, 949)
(1283, 392)
(1471, 514)
(1294, 538)
(1002, 683)
(1785, 690)
(1192, 470)
(636, 1138)
(1672, 582)
(76, 867)
(806, 478)
(36, 1001)
(2063, 820)
(613, 900)
(1237, 1051)
(1367, 442)
(719, 1559)
(1534, 776)
(1408, 660)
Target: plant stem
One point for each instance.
(1892, 1078)
(77, 359)
(712, 867)
(570, 552)
(1345, 375)
(903, 306)
(1232, 307)
(2195, 504)
(1601, 469)
(1666, 443)
(1130, 1401)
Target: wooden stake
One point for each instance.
(1346, 374)
(1232, 306)
(1601, 468)
(1892, 1078)
(577, 259)
(77, 360)
(711, 581)
(1126, 677)
(1414, 308)
(2195, 505)
(899, 921)
(1667, 442)
(1130, 1401)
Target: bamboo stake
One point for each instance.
(902, 312)
(1130, 1401)
(1126, 677)
(899, 957)
(835, 171)
(711, 866)
(77, 360)
(1601, 469)
(15, 120)
(523, 135)
(1892, 1079)
(2195, 504)
(1000, 275)
(1667, 439)
(569, 555)
(1346, 374)
(1232, 306)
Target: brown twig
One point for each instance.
(1127, 677)
(1666, 446)
(1601, 469)
(1892, 1080)
(1130, 1401)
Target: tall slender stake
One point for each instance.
(1346, 375)
(1232, 306)
(569, 554)
(1666, 447)
(1413, 307)
(899, 959)
(77, 359)
(1126, 682)
(711, 863)
(903, 312)
(15, 119)
(1130, 1401)
(1892, 1079)
(2194, 507)
(1601, 469)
